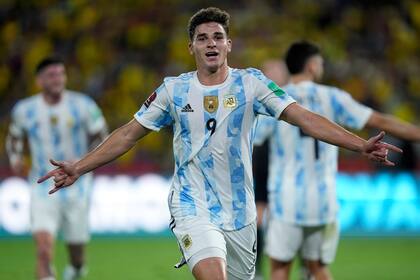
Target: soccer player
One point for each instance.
(57, 123)
(276, 71)
(212, 112)
(302, 169)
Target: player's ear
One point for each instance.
(310, 66)
(190, 48)
(229, 44)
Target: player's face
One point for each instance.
(210, 46)
(52, 79)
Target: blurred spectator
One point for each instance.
(118, 51)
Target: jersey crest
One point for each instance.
(211, 103)
(230, 101)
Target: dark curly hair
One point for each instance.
(44, 63)
(208, 15)
(298, 54)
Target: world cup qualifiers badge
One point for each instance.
(149, 100)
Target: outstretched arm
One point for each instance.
(97, 138)
(394, 126)
(118, 143)
(327, 131)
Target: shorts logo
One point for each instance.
(211, 103)
(149, 100)
(186, 241)
(230, 101)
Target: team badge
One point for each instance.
(53, 120)
(186, 241)
(70, 122)
(230, 101)
(211, 103)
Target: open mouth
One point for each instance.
(212, 54)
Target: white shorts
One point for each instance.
(200, 239)
(52, 213)
(315, 243)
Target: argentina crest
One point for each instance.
(230, 101)
(211, 103)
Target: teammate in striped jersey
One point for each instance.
(275, 70)
(212, 111)
(301, 184)
(57, 123)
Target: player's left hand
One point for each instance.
(376, 150)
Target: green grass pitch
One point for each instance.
(153, 258)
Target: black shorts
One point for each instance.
(260, 170)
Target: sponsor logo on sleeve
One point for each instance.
(95, 114)
(276, 89)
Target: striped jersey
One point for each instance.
(213, 141)
(302, 170)
(60, 131)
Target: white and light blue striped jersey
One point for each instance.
(302, 170)
(213, 141)
(59, 132)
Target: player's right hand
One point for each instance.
(64, 175)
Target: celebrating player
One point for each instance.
(58, 123)
(302, 170)
(212, 111)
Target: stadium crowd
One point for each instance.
(119, 51)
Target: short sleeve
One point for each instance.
(155, 112)
(270, 99)
(349, 112)
(263, 128)
(95, 120)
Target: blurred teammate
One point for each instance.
(57, 123)
(212, 111)
(301, 184)
(276, 71)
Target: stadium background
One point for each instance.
(119, 51)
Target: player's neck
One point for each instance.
(52, 99)
(302, 77)
(208, 78)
